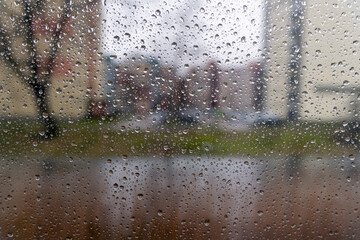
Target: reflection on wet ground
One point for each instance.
(180, 198)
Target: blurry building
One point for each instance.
(312, 67)
(226, 89)
(140, 86)
(145, 85)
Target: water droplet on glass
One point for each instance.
(207, 222)
(58, 90)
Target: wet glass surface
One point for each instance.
(179, 119)
(181, 198)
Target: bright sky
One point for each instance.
(184, 32)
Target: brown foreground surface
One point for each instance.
(290, 197)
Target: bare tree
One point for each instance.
(32, 64)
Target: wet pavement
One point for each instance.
(182, 197)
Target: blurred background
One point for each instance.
(179, 119)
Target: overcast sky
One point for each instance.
(184, 32)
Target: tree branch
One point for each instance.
(29, 14)
(39, 5)
(7, 55)
(28, 18)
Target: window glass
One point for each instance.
(179, 119)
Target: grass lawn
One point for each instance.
(96, 137)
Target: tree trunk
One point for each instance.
(50, 125)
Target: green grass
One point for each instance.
(95, 138)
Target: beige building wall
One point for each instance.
(15, 99)
(329, 80)
(278, 44)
